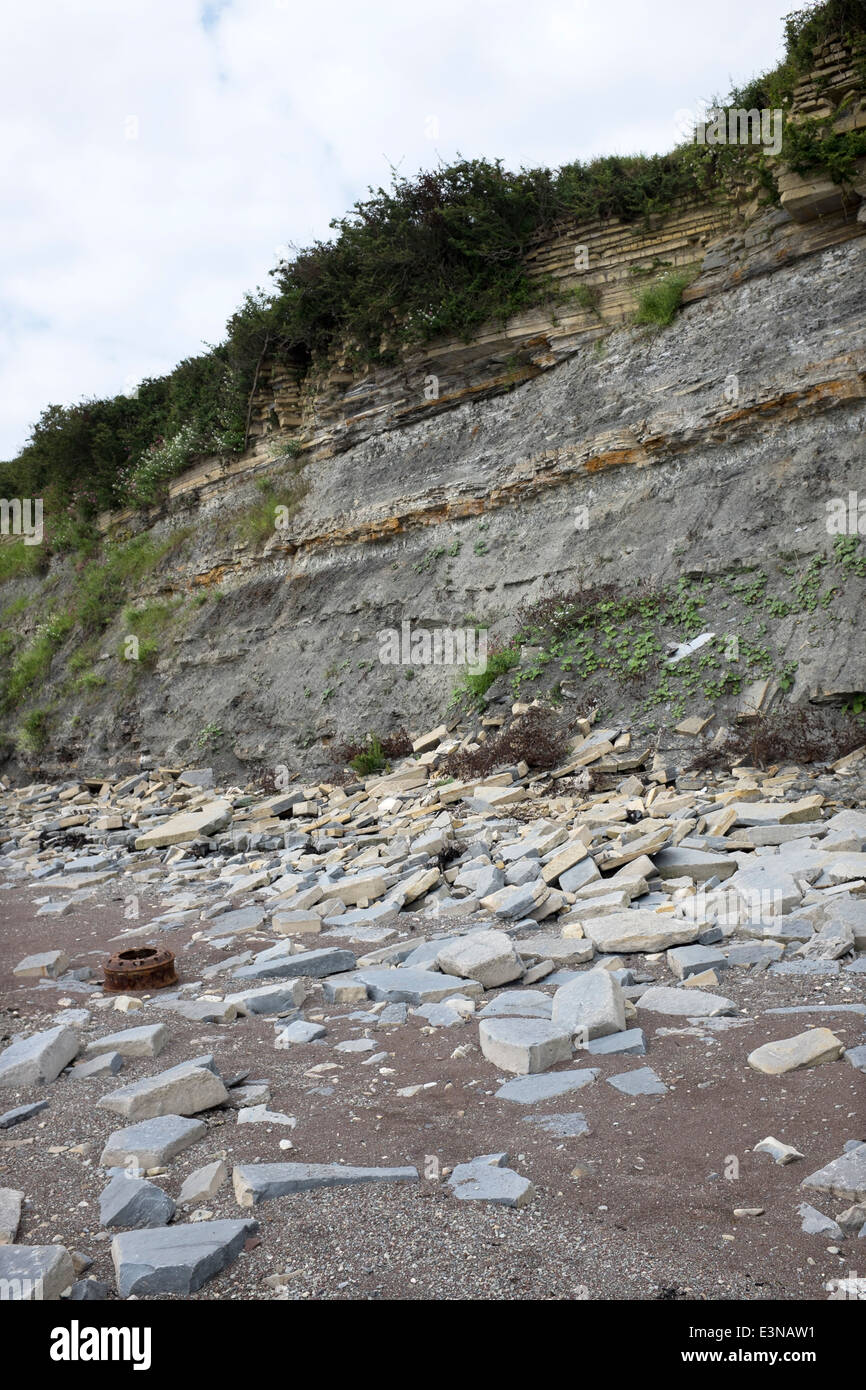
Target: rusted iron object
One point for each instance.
(140, 968)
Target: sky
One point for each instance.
(157, 157)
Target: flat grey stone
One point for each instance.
(486, 1179)
(691, 960)
(816, 1224)
(844, 1177)
(404, 985)
(693, 864)
(486, 956)
(630, 1043)
(591, 1006)
(269, 999)
(146, 1041)
(89, 1291)
(176, 1259)
(152, 1142)
(857, 1056)
(10, 1214)
(524, 1045)
(395, 1014)
(40, 1058)
(134, 1203)
(182, 1090)
(684, 1003)
(755, 953)
(35, 1273)
(519, 1003)
(642, 1082)
(260, 1182)
(525, 1090)
(278, 963)
(357, 1045)
(21, 1113)
(202, 1184)
(579, 875)
(437, 1015)
(639, 929)
(299, 1032)
(805, 967)
(568, 1126)
(228, 923)
(106, 1064)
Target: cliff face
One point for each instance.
(710, 457)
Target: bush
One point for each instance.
(659, 302)
(534, 738)
(799, 735)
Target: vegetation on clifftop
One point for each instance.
(437, 254)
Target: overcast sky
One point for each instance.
(157, 156)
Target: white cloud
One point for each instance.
(155, 155)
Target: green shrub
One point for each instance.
(18, 560)
(659, 302)
(34, 729)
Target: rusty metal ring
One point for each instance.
(140, 968)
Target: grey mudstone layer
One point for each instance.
(152, 1142)
(134, 1203)
(176, 1259)
(259, 1182)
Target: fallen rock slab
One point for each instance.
(524, 1045)
(525, 1090)
(486, 1179)
(10, 1214)
(688, 1003)
(35, 1273)
(486, 956)
(204, 820)
(260, 1182)
(176, 1259)
(146, 1041)
(639, 930)
(808, 1049)
(151, 1143)
(134, 1203)
(591, 1006)
(844, 1177)
(40, 1058)
(182, 1090)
